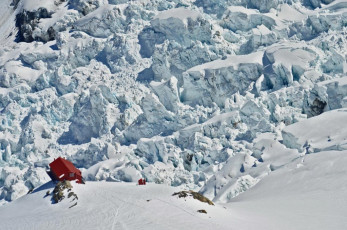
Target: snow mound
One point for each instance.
(320, 133)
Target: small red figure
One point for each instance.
(142, 181)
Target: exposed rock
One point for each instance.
(59, 190)
(26, 23)
(195, 195)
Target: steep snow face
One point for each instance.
(179, 92)
(7, 21)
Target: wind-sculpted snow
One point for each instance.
(180, 92)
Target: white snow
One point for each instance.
(309, 193)
(242, 9)
(223, 97)
(323, 132)
(31, 5)
(179, 13)
(232, 61)
(287, 12)
(110, 205)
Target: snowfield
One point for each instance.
(243, 101)
(321, 133)
(307, 194)
(109, 205)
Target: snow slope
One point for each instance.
(109, 205)
(309, 193)
(324, 132)
(6, 21)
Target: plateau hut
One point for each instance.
(62, 169)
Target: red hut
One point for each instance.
(142, 181)
(62, 169)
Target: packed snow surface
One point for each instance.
(109, 205)
(307, 194)
(324, 132)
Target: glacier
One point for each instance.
(181, 92)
